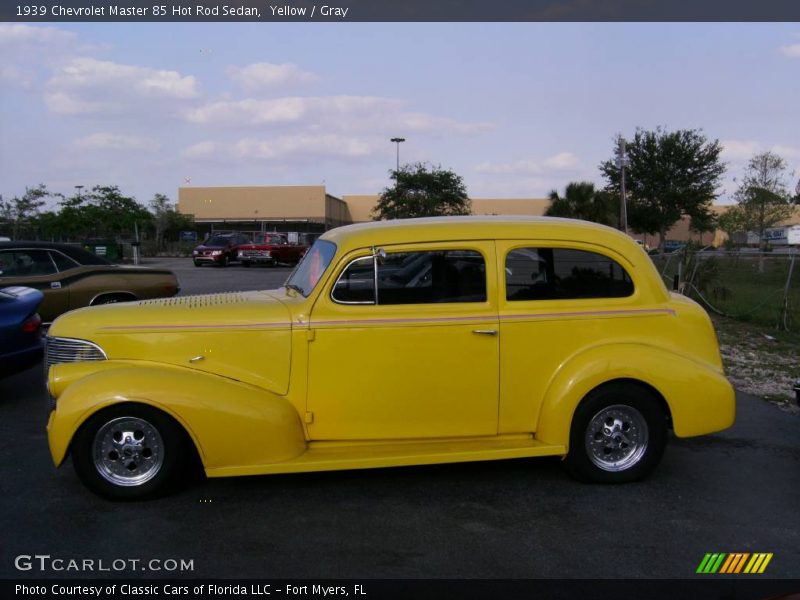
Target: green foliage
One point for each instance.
(422, 190)
(167, 222)
(763, 198)
(582, 201)
(670, 175)
(20, 213)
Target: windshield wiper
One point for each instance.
(296, 288)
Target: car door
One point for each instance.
(418, 361)
(555, 298)
(34, 268)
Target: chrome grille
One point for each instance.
(65, 350)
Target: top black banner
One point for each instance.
(276, 11)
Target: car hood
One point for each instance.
(212, 247)
(244, 336)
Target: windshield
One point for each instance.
(310, 269)
(217, 241)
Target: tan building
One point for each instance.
(304, 208)
(310, 209)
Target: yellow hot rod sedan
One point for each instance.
(404, 342)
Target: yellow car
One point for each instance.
(403, 342)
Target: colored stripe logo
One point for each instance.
(734, 563)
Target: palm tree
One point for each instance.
(582, 201)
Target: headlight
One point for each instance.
(66, 350)
(216, 252)
(240, 253)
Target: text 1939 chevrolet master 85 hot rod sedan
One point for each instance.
(396, 343)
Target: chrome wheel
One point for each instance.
(616, 438)
(128, 451)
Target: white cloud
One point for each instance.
(88, 85)
(792, 50)
(268, 75)
(200, 150)
(13, 76)
(739, 150)
(330, 113)
(115, 141)
(562, 161)
(21, 34)
(287, 148)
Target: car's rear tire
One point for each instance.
(618, 435)
(129, 452)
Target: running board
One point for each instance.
(333, 456)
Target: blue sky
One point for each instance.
(516, 109)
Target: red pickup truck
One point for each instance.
(271, 249)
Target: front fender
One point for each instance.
(699, 397)
(230, 423)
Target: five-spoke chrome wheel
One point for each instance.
(618, 434)
(616, 437)
(128, 451)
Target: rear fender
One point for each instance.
(699, 397)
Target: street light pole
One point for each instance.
(79, 188)
(622, 162)
(398, 140)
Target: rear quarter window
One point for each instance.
(539, 273)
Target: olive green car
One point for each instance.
(70, 277)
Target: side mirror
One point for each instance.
(379, 253)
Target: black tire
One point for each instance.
(245, 263)
(197, 263)
(224, 262)
(618, 435)
(157, 451)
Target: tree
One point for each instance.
(670, 175)
(19, 212)
(116, 214)
(422, 190)
(732, 222)
(763, 196)
(167, 221)
(582, 201)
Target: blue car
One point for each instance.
(21, 342)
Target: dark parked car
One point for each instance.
(70, 277)
(219, 250)
(21, 341)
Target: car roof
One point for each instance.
(75, 252)
(439, 229)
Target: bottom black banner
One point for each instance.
(417, 589)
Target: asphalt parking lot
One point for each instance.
(736, 491)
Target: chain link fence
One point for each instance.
(759, 287)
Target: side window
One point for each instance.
(562, 274)
(63, 262)
(28, 263)
(6, 263)
(356, 285)
(414, 278)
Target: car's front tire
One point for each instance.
(618, 435)
(197, 263)
(129, 452)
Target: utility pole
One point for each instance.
(622, 162)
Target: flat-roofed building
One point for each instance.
(302, 208)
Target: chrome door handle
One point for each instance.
(485, 331)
